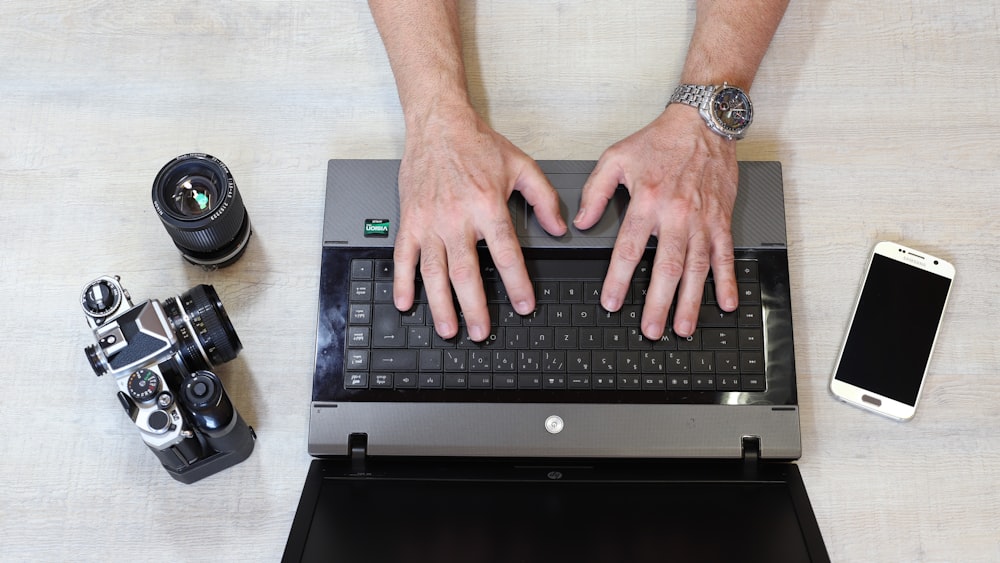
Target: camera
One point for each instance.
(160, 355)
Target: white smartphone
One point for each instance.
(891, 335)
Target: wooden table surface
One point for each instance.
(885, 116)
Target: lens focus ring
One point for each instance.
(211, 324)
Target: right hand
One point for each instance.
(455, 178)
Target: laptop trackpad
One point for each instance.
(569, 187)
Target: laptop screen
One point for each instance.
(588, 518)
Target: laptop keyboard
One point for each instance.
(568, 343)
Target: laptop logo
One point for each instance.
(376, 227)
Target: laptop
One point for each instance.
(567, 435)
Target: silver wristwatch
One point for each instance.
(726, 109)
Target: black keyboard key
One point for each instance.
(529, 381)
(359, 314)
(678, 382)
(504, 381)
(541, 338)
(455, 360)
(752, 362)
(387, 328)
(505, 361)
(358, 337)
(566, 338)
(716, 317)
(703, 362)
(381, 381)
(753, 382)
(383, 292)
(719, 339)
(703, 382)
(456, 381)
(383, 269)
(553, 381)
(418, 336)
(529, 360)
(430, 381)
(394, 360)
(356, 380)
(361, 269)
(430, 360)
(480, 381)
(405, 380)
(655, 382)
(630, 382)
(746, 271)
(480, 361)
(560, 315)
(751, 339)
(748, 292)
(571, 292)
(361, 291)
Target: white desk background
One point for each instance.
(884, 114)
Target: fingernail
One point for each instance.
(522, 307)
(579, 215)
(730, 304)
(443, 329)
(686, 328)
(611, 304)
(652, 332)
(476, 333)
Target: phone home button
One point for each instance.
(872, 400)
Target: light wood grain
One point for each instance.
(884, 115)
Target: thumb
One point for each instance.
(597, 191)
(542, 197)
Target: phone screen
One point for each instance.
(891, 337)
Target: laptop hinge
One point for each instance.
(751, 456)
(357, 450)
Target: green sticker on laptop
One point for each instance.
(376, 227)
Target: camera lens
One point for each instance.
(202, 210)
(205, 334)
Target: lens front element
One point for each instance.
(195, 195)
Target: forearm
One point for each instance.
(729, 40)
(424, 44)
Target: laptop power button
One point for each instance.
(554, 424)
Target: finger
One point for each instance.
(692, 286)
(629, 248)
(463, 269)
(404, 257)
(542, 197)
(665, 275)
(434, 270)
(597, 191)
(509, 261)
(723, 271)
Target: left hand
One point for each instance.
(682, 181)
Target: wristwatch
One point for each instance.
(726, 109)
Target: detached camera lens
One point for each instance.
(202, 210)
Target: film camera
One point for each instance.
(160, 355)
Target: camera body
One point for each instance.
(160, 355)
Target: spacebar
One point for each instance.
(394, 360)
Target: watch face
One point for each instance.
(732, 110)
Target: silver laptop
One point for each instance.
(567, 434)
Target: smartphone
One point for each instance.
(891, 335)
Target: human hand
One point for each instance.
(682, 181)
(455, 178)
